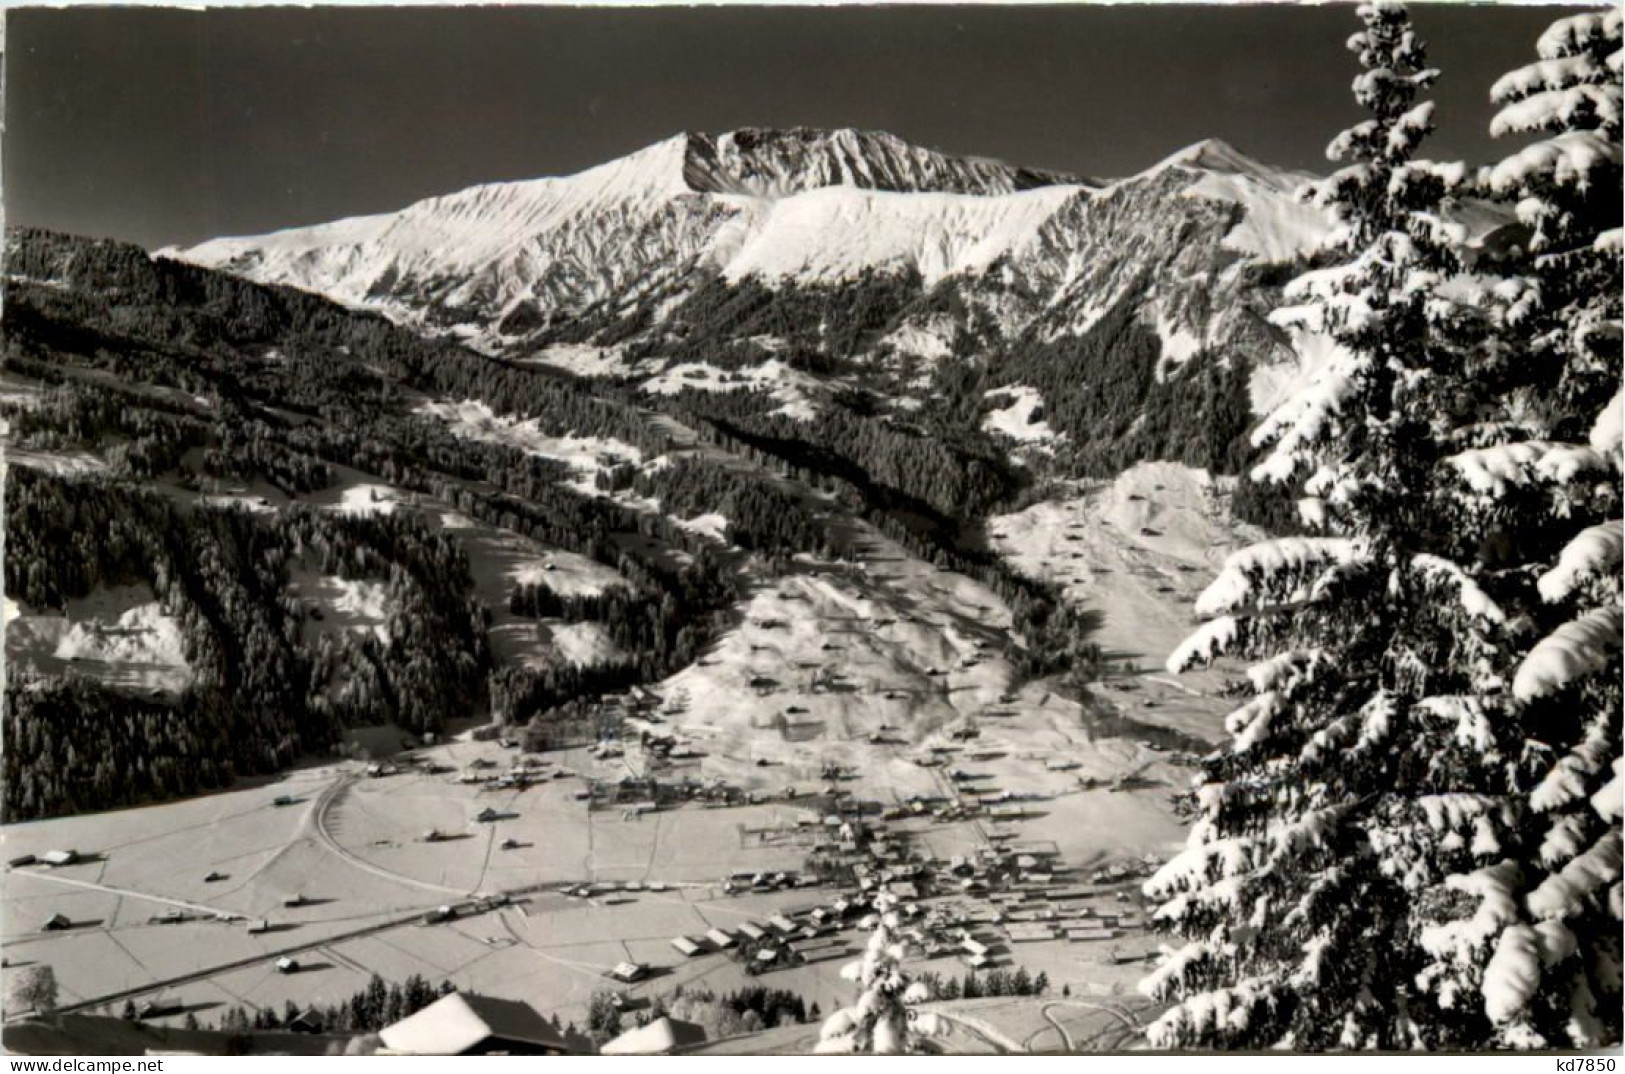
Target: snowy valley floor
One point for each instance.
(865, 664)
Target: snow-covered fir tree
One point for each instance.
(883, 1020)
(1370, 834)
(1537, 948)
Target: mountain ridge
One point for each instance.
(795, 205)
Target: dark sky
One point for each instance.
(173, 126)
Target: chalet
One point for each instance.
(1030, 933)
(719, 939)
(818, 950)
(972, 947)
(307, 1021)
(460, 1024)
(687, 947)
(628, 972)
(1085, 935)
(58, 858)
(56, 923)
(782, 923)
(294, 901)
(257, 927)
(752, 932)
(287, 965)
(284, 800)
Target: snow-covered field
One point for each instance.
(23, 393)
(352, 847)
(1138, 550)
(712, 524)
(118, 636)
(60, 463)
(797, 391)
(929, 342)
(499, 560)
(1015, 418)
(586, 456)
(368, 498)
(583, 359)
(344, 604)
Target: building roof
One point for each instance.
(458, 1024)
(659, 1037)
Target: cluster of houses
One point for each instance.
(1006, 890)
(647, 794)
(789, 937)
(526, 771)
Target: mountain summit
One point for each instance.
(769, 162)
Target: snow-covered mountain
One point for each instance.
(568, 269)
(758, 198)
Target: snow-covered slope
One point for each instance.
(838, 232)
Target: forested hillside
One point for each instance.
(160, 395)
(297, 487)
